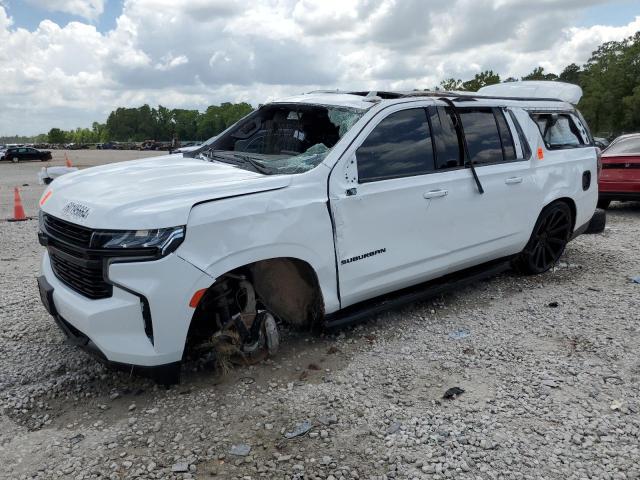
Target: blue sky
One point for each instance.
(29, 16)
(615, 13)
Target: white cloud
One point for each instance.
(192, 53)
(89, 9)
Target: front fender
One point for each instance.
(227, 234)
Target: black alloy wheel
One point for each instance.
(548, 240)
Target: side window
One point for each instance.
(508, 148)
(22, 150)
(559, 130)
(399, 146)
(445, 138)
(482, 136)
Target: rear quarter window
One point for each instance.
(561, 130)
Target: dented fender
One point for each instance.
(292, 222)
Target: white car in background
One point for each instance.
(314, 210)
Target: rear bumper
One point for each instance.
(620, 196)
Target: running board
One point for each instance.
(363, 310)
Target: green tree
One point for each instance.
(451, 84)
(57, 136)
(482, 79)
(609, 81)
(538, 74)
(571, 74)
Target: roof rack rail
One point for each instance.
(463, 96)
(456, 96)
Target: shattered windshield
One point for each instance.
(283, 139)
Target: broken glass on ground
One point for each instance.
(459, 334)
(240, 450)
(299, 429)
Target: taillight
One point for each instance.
(599, 154)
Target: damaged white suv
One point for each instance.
(315, 210)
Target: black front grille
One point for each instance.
(86, 278)
(68, 232)
(72, 261)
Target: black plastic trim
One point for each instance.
(620, 196)
(363, 310)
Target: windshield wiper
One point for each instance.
(258, 166)
(233, 157)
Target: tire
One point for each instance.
(15, 159)
(597, 222)
(604, 204)
(547, 243)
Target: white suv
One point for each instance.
(312, 210)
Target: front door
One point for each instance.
(406, 209)
(380, 196)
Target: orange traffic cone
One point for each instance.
(67, 161)
(18, 209)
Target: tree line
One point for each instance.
(610, 80)
(147, 123)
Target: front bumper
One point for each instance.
(114, 328)
(168, 374)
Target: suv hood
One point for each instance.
(151, 193)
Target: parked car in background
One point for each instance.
(187, 147)
(17, 154)
(3, 149)
(620, 177)
(601, 142)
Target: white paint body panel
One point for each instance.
(567, 92)
(234, 217)
(151, 193)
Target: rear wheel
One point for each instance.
(604, 204)
(15, 159)
(548, 240)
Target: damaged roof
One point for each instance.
(552, 93)
(337, 99)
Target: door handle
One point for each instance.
(513, 180)
(436, 193)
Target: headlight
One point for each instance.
(164, 240)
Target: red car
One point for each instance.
(620, 176)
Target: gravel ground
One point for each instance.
(548, 365)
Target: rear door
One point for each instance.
(502, 159)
